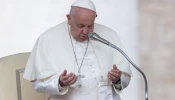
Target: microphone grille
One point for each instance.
(91, 34)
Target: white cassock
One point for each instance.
(53, 53)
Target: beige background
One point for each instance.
(157, 47)
(8, 88)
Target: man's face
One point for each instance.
(81, 23)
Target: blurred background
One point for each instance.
(146, 28)
(157, 46)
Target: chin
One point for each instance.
(81, 40)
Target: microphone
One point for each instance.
(96, 37)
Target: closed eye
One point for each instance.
(80, 26)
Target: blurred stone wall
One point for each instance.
(157, 47)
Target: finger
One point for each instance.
(70, 79)
(65, 80)
(116, 71)
(114, 74)
(67, 76)
(73, 81)
(113, 79)
(115, 67)
(120, 72)
(64, 72)
(109, 77)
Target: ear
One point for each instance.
(68, 18)
(96, 15)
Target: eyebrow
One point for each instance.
(80, 24)
(83, 24)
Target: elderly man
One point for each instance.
(67, 65)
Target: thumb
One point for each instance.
(64, 72)
(115, 67)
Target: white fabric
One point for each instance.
(50, 86)
(53, 53)
(91, 70)
(47, 87)
(118, 88)
(88, 4)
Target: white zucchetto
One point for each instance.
(88, 4)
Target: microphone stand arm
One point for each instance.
(115, 47)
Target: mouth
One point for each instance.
(84, 37)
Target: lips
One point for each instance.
(84, 37)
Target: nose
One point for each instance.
(85, 31)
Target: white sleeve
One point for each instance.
(124, 82)
(50, 86)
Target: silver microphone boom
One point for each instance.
(96, 37)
